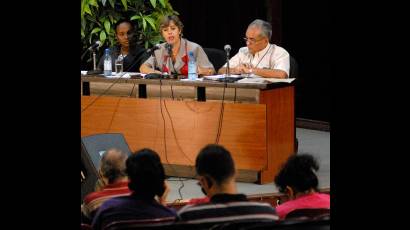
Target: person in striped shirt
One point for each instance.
(114, 182)
(216, 175)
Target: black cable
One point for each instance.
(234, 98)
(221, 115)
(165, 141)
(113, 115)
(101, 94)
(175, 135)
(172, 93)
(132, 89)
(180, 187)
(174, 73)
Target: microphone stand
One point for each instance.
(94, 64)
(227, 66)
(94, 71)
(228, 74)
(170, 64)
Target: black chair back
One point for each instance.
(293, 72)
(216, 56)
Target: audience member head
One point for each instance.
(258, 35)
(124, 32)
(297, 175)
(216, 170)
(112, 167)
(171, 28)
(146, 174)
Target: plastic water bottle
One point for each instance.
(119, 64)
(192, 74)
(107, 63)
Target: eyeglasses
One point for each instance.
(251, 40)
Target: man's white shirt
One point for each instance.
(271, 57)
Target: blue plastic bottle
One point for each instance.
(192, 74)
(107, 63)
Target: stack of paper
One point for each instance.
(186, 79)
(125, 75)
(220, 76)
(265, 80)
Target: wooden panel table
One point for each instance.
(259, 136)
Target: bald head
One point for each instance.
(113, 165)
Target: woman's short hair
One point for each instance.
(167, 19)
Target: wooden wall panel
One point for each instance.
(189, 125)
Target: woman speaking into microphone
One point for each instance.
(172, 55)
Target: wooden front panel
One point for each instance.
(280, 128)
(189, 125)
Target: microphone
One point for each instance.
(227, 49)
(169, 48)
(169, 60)
(155, 47)
(97, 44)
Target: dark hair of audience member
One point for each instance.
(215, 161)
(298, 172)
(146, 174)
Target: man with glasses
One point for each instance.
(259, 58)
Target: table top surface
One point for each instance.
(177, 82)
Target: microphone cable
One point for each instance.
(221, 115)
(175, 135)
(176, 76)
(165, 141)
(172, 93)
(132, 90)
